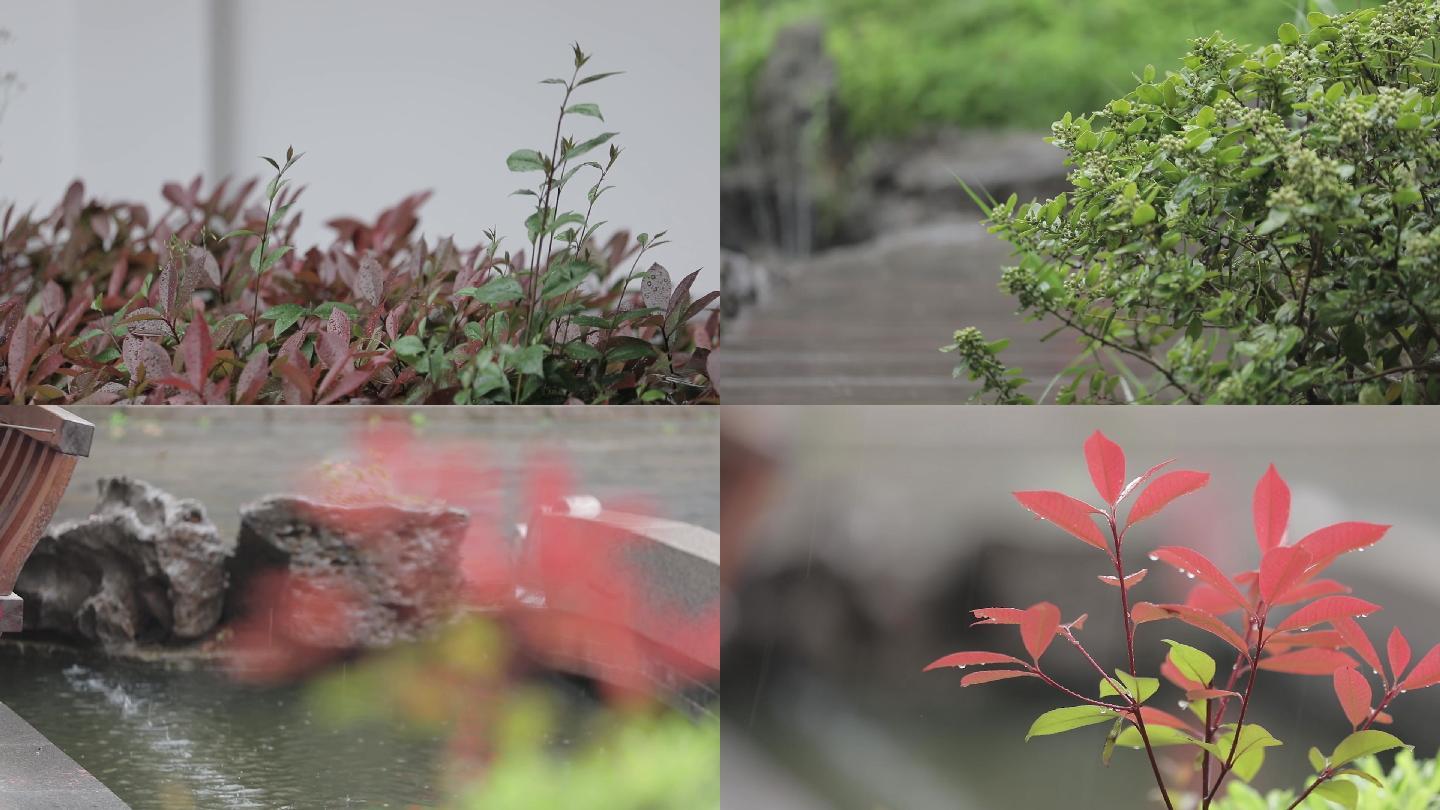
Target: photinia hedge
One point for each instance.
(211, 301)
(1258, 226)
(1267, 617)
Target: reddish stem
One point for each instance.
(1244, 705)
(1119, 561)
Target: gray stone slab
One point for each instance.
(35, 775)
(12, 613)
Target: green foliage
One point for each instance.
(1068, 718)
(1192, 663)
(1410, 785)
(1258, 226)
(907, 64)
(638, 763)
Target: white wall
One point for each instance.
(385, 97)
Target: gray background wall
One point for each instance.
(386, 97)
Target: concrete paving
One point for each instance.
(35, 775)
(864, 324)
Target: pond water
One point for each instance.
(164, 737)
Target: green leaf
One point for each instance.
(1344, 794)
(474, 331)
(274, 256)
(1407, 197)
(1144, 214)
(1192, 663)
(597, 77)
(630, 350)
(1160, 736)
(1368, 777)
(93, 333)
(1408, 121)
(1056, 721)
(323, 311)
(501, 290)
(525, 160)
(284, 316)
(583, 352)
(409, 347)
(1317, 759)
(1364, 743)
(1250, 754)
(592, 110)
(581, 149)
(1109, 749)
(1289, 34)
(1146, 686)
(530, 360)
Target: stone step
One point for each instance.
(35, 775)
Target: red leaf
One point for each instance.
(1311, 590)
(1310, 661)
(1278, 642)
(1107, 466)
(1271, 507)
(1159, 717)
(998, 615)
(1323, 610)
(1355, 639)
(1210, 694)
(1330, 542)
(969, 659)
(1354, 693)
(1166, 488)
(19, 359)
(989, 675)
(1210, 623)
(1190, 561)
(1172, 674)
(1397, 649)
(1142, 478)
(1280, 569)
(1066, 512)
(253, 378)
(1426, 672)
(1207, 598)
(1130, 581)
(1037, 628)
(197, 348)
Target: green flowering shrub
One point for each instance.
(1411, 785)
(1258, 226)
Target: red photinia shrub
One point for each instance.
(212, 302)
(1266, 616)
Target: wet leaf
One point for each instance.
(1072, 515)
(1271, 507)
(1107, 466)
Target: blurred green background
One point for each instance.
(905, 65)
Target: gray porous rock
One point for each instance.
(145, 566)
(401, 561)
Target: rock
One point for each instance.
(145, 566)
(746, 283)
(773, 192)
(401, 562)
(897, 184)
